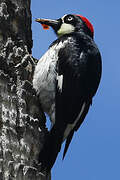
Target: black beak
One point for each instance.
(55, 24)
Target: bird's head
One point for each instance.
(68, 24)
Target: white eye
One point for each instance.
(70, 18)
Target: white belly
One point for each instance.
(44, 79)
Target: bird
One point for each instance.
(66, 79)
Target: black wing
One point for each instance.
(78, 78)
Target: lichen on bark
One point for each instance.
(22, 122)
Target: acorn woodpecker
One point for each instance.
(66, 78)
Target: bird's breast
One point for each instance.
(45, 75)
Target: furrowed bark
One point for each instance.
(22, 122)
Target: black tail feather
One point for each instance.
(50, 149)
(69, 138)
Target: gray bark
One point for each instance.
(22, 122)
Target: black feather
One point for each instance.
(50, 149)
(67, 143)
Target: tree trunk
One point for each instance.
(22, 122)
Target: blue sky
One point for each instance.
(94, 153)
